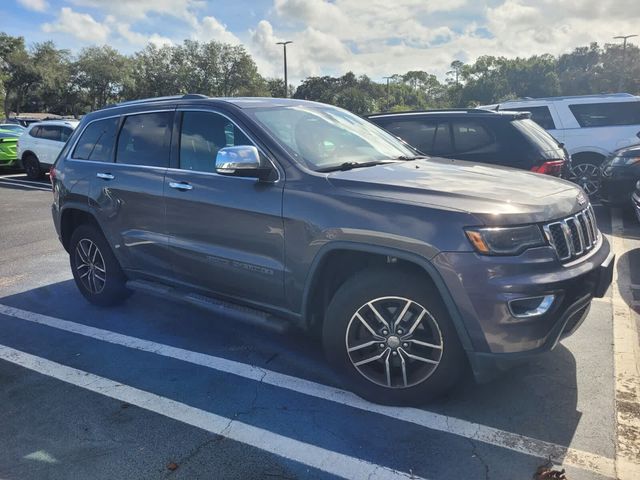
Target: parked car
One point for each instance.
(620, 172)
(287, 211)
(635, 198)
(8, 153)
(12, 127)
(40, 145)
(591, 127)
(476, 135)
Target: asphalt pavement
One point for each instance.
(152, 389)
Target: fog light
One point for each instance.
(531, 306)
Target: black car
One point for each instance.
(505, 138)
(620, 172)
(635, 198)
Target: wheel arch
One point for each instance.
(71, 217)
(342, 256)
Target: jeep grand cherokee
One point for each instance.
(411, 268)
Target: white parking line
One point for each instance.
(316, 457)
(626, 364)
(18, 183)
(463, 428)
(19, 177)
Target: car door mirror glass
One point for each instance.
(241, 161)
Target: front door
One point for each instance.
(226, 233)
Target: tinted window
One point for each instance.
(202, 135)
(417, 133)
(472, 137)
(50, 132)
(145, 139)
(35, 132)
(442, 140)
(97, 140)
(536, 135)
(66, 133)
(540, 115)
(606, 114)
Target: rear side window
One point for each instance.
(50, 132)
(202, 135)
(145, 139)
(415, 132)
(66, 133)
(97, 141)
(540, 115)
(606, 114)
(472, 137)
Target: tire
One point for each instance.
(585, 171)
(32, 167)
(101, 280)
(389, 290)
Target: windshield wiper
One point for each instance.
(351, 165)
(416, 157)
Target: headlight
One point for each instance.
(505, 240)
(624, 161)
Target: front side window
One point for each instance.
(97, 141)
(417, 133)
(145, 139)
(606, 114)
(324, 137)
(540, 115)
(202, 135)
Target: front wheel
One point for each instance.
(389, 332)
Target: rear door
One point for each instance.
(127, 194)
(226, 233)
(476, 141)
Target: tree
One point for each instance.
(101, 74)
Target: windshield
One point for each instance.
(323, 137)
(536, 134)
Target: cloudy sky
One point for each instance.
(376, 37)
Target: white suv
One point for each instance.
(591, 127)
(40, 145)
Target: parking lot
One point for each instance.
(153, 389)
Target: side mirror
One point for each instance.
(241, 161)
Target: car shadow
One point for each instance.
(538, 399)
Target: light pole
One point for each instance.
(624, 54)
(286, 84)
(388, 92)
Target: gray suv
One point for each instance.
(286, 211)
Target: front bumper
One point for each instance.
(618, 185)
(482, 286)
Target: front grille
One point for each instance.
(573, 236)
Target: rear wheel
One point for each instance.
(32, 167)
(96, 271)
(388, 331)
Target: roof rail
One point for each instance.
(159, 99)
(435, 110)
(570, 97)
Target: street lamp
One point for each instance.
(286, 82)
(388, 92)
(624, 54)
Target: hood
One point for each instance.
(495, 195)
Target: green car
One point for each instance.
(8, 148)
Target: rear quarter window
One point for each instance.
(97, 141)
(35, 132)
(606, 114)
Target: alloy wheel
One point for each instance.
(587, 175)
(90, 266)
(394, 342)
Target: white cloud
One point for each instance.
(211, 29)
(35, 5)
(135, 38)
(80, 25)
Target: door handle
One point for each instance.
(105, 176)
(181, 185)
